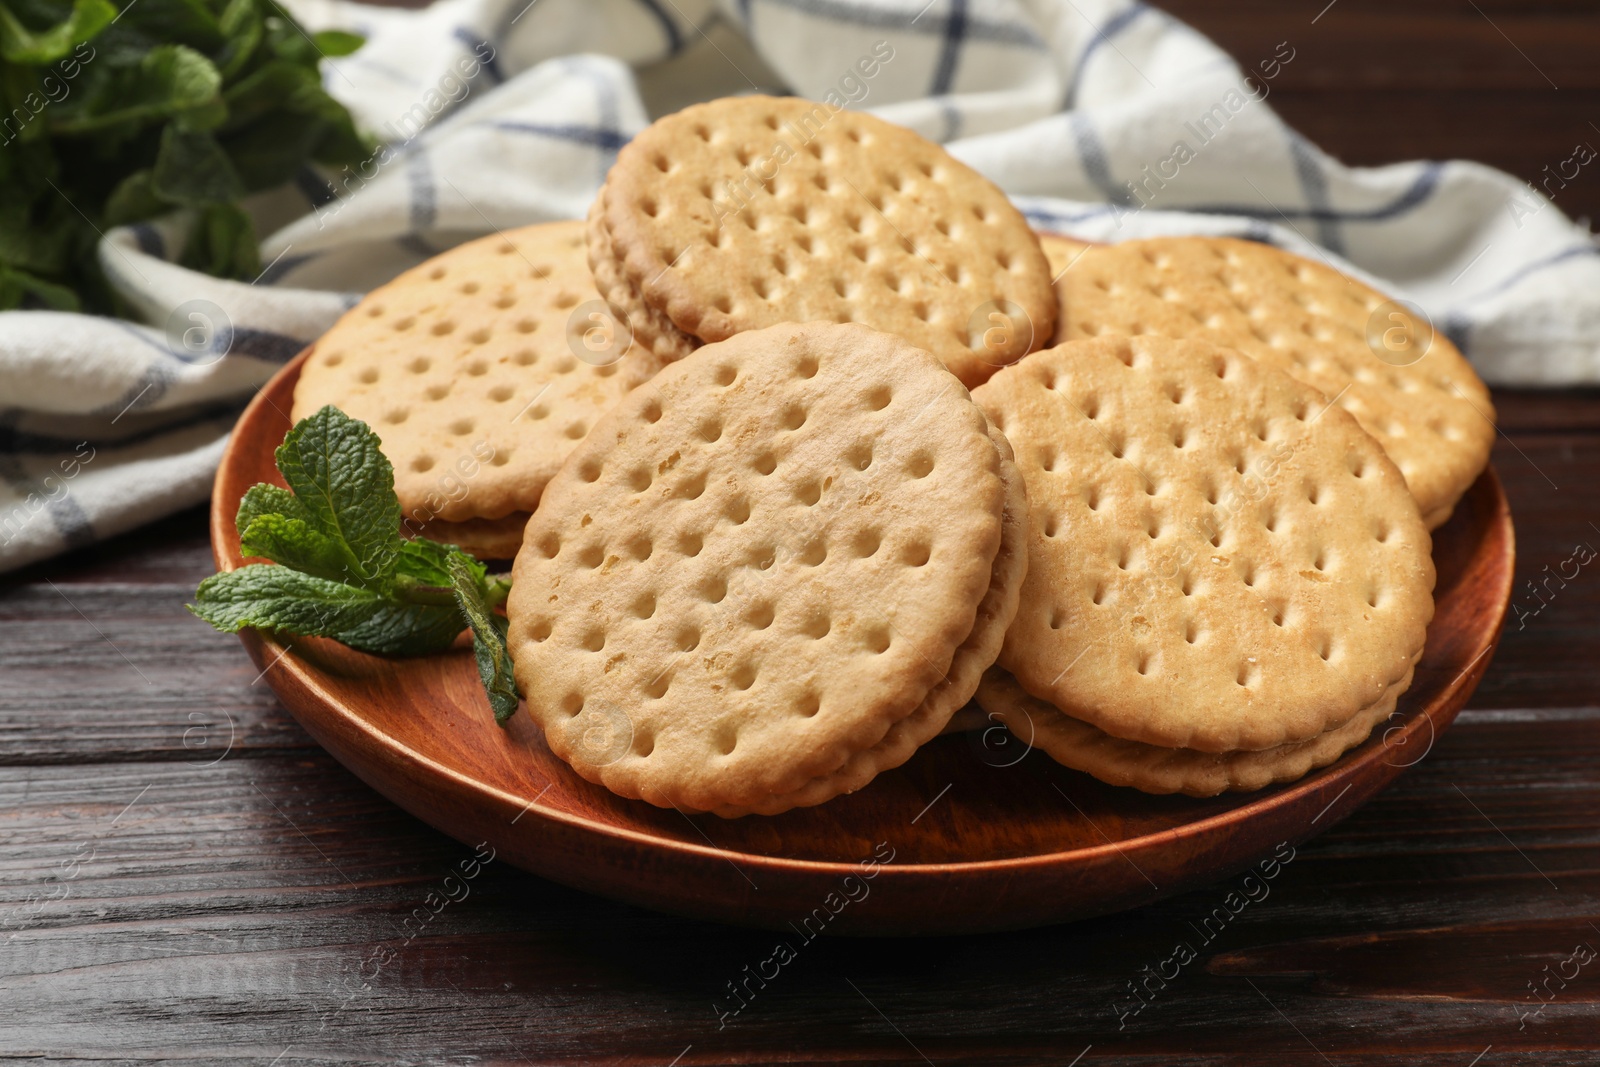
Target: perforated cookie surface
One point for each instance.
(960, 682)
(1430, 411)
(1152, 769)
(466, 368)
(745, 212)
(1219, 560)
(757, 563)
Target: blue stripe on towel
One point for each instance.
(65, 513)
(149, 240)
(1522, 274)
(975, 29)
(477, 46)
(1103, 34)
(1314, 184)
(1421, 189)
(609, 140)
(955, 29)
(265, 345)
(282, 266)
(314, 187)
(14, 442)
(1092, 154)
(669, 28)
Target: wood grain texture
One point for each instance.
(231, 912)
(1503, 82)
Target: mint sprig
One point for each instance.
(340, 568)
(117, 111)
(488, 637)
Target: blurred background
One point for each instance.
(1511, 83)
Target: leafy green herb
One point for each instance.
(488, 639)
(340, 568)
(114, 111)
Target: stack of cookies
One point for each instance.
(773, 571)
(739, 214)
(767, 543)
(1229, 583)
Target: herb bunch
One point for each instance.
(340, 568)
(111, 113)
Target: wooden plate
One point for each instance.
(983, 834)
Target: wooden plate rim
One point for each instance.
(226, 493)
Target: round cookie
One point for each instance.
(935, 715)
(1219, 560)
(744, 212)
(468, 367)
(756, 564)
(1152, 769)
(1062, 253)
(1429, 410)
(484, 538)
(659, 341)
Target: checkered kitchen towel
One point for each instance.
(1104, 119)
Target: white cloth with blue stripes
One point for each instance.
(1102, 119)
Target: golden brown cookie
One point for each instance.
(1418, 397)
(756, 565)
(952, 692)
(1219, 560)
(744, 212)
(659, 341)
(480, 370)
(1152, 769)
(485, 538)
(1063, 253)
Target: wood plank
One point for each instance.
(115, 671)
(1421, 44)
(231, 912)
(1375, 82)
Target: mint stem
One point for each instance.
(411, 591)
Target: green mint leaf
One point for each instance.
(133, 200)
(274, 86)
(190, 22)
(271, 150)
(241, 25)
(263, 499)
(405, 630)
(223, 243)
(295, 543)
(428, 563)
(337, 470)
(20, 45)
(19, 288)
(333, 43)
(281, 599)
(169, 80)
(193, 170)
(488, 636)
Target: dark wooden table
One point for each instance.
(185, 876)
